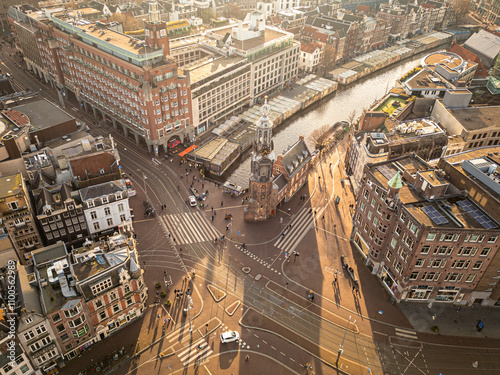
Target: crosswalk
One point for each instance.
(189, 227)
(405, 333)
(300, 225)
(198, 351)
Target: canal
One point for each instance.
(337, 107)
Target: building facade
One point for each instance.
(105, 206)
(421, 236)
(132, 83)
(17, 216)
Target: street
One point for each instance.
(260, 289)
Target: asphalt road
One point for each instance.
(220, 264)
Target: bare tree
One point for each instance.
(351, 117)
(234, 11)
(462, 9)
(329, 58)
(319, 135)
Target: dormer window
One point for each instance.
(104, 199)
(102, 171)
(90, 203)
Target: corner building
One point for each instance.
(134, 84)
(423, 237)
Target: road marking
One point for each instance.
(406, 333)
(273, 347)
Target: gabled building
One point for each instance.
(291, 169)
(59, 212)
(311, 57)
(20, 364)
(17, 216)
(105, 207)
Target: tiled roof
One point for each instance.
(309, 48)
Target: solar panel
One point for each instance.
(477, 214)
(434, 215)
(386, 172)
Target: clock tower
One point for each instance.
(262, 191)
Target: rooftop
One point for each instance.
(10, 185)
(425, 80)
(206, 68)
(475, 118)
(270, 34)
(43, 114)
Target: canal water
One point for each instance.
(335, 108)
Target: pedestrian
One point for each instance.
(180, 249)
(203, 186)
(157, 294)
(312, 297)
(159, 316)
(212, 208)
(246, 358)
(354, 289)
(199, 347)
(165, 273)
(227, 228)
(286, 285)
(289, 210)
(323, 218)
(289, 226)
(222, 203)
(212, 217)
(283, 235)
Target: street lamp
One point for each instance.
(341, 349)
(193, 140)
(144, 177)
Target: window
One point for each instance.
(72, 312)
(102, 315)
(123, 218)
(448, 237)
(40, 329)
(370, 214)
(103, 285)
(373, 202)
(394, 242)
(13, 205)
(414, 276)
(363, 206)
(116, 308)
(112, 296)
(389, 255)
(96, 225)
(120, 207)
(98, 303)
(29, 335)
(431, 236)
(403, 217)
(93, 215)
(107, 211)
(420, 263)
(425, 250)
(56, 318)
(398, 230)
(492, 239)
(477, 265)
(109, 221)
(485, 251)
(60, 328)
(470, 278)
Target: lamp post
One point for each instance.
(341, 349)
(231, 225)
(193, 140)
(144, 177)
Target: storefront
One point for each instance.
(419, 293)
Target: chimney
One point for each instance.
(301, 138)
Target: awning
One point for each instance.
(187, 150)
(174, 143)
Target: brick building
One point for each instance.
(132, 83)
(17, 216)
(423, 237)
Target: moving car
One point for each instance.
(229, 336)
(192, 201)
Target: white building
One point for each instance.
(105, 206)
(310, 57)
(286, 4)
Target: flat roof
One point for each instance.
(115, 38)
(43, 114)
(269, 35)
(475, 118)
(423, 80)
(9, 185)
(448, 59)
(212, 67)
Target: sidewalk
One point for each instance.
(451, 321)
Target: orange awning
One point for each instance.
(187, 150)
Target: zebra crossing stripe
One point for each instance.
(301, 223)
(406, 333)
(202, 353)
(175, 229)
(190, 227)
(178, 332)
(192, 348)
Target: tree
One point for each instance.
(234, 11)
(351, 117)
(329, 58)
(462, 9)
(206, 15)
(128, 21)
(318, 135)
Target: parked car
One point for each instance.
(229, 336)
(192, 201)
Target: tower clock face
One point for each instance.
(265, 150)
